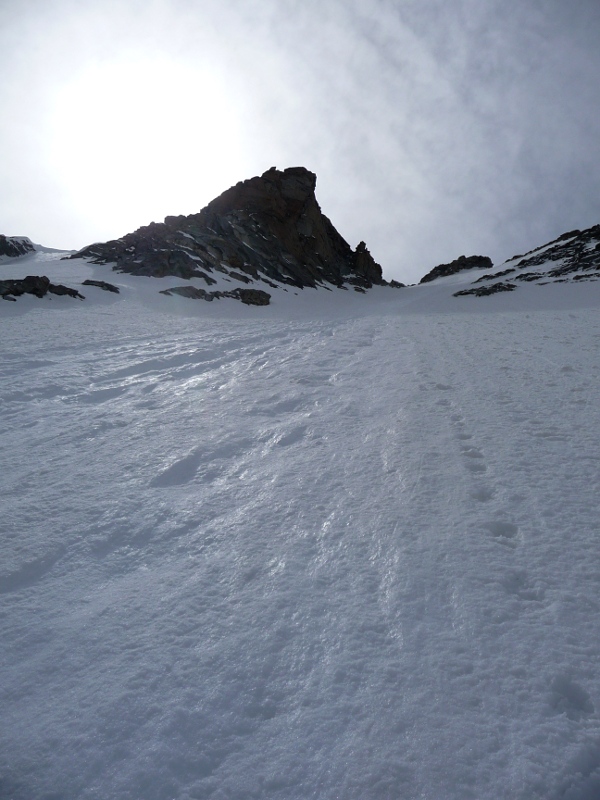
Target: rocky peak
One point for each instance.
(268, 228)
(458, 265)
(285, 194)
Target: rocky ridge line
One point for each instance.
(573, 256)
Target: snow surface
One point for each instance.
(345, 546)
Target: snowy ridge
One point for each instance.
(343, 546)
(14, 246)
(574, 256)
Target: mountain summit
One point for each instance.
(269, 228)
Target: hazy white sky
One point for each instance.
(435, 127)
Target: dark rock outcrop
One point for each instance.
(588, 276)
(458, 265)
(495, 275)
(268, 228)
(108, 287)
(482, 291)
(37, 285)
(250, 297)
(58, 288)
(14, 246)
(529, 276)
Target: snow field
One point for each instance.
(337, 548)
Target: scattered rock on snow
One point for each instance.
(108, 287)
(481, 291)
(528, 277)
(250, 297)
(495, 275)
(58, 288)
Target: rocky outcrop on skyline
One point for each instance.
(458, 265)
(268, 229)
(14, 246)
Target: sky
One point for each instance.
(435, 128)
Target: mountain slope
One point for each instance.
(344, 546)
(573, 256)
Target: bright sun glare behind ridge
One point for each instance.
(137, 140)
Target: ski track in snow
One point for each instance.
(332, 557)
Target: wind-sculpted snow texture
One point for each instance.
(343, 546)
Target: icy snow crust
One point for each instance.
(342, 547)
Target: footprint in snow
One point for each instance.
(568, 697)
(31, 572)
(476, 467)
(291, 438)
(482, 493)
(97, 396)
(517, 583)
(184, 470)
(504, 532)
(179, 473)
(471, 452)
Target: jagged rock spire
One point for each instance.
(268, 228)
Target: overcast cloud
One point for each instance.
(435, 128)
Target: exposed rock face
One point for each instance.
(459, 265)
(482, 291)
(14, 246)
(250, 297)
(37, 285)
(268, 228)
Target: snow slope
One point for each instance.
(345, 546)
